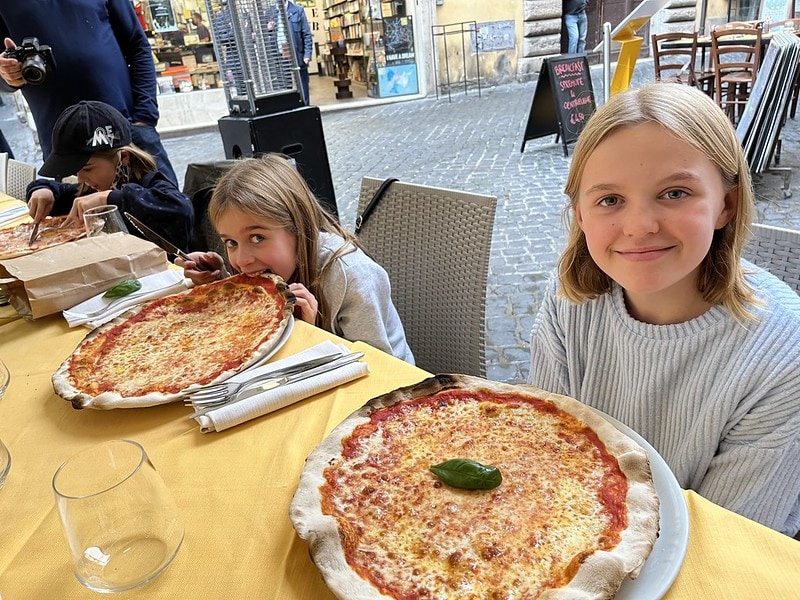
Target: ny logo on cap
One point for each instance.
(103, 136)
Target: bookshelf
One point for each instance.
(378, 40)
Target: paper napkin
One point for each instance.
(280, 397)
(12, 214)
(156, 285)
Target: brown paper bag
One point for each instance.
(60, 277)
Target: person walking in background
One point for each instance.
(302, 41)
(98, 51)
(576, 24)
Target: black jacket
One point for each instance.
(155, 200)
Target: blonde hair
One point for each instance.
(694, 118)
(140, 163)
(270, 187)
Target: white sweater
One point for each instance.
(719, 401)
(359, 300)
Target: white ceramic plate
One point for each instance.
(665, 560)
(287, 331)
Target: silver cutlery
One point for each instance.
(214, 392)
(118, 301)
(273, 382)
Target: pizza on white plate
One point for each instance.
(459, 487)
(151, 353)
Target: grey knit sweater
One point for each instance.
(359, 300)
(719, 401)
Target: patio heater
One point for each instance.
(259, 73)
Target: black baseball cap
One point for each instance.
(81, 130)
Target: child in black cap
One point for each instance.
(93, 141)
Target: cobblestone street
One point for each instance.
(471, 143)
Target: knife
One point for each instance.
(165, 244)
(34, 233)
(271, 383)
(159, 241)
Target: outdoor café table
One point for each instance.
(234, 488)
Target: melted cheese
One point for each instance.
(415, 537)
(179, 340)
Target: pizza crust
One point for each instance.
(599, 575)
(107, 400)
(14, 240)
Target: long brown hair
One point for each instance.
(694, 118)
(270, 187)
(140, 163)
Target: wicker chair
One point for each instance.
(15, 177)
(778, 251)
(434, 243)
(198, 184)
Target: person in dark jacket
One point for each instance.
(302, 41)
(93, 141)
(99, 52)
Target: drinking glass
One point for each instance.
(5, 379)
(120, 521)
(5, 462)
(103, 219)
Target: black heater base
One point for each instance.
(296, 133)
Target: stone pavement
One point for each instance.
(471, 143)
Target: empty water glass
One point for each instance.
(5, 378)
(120, 521)
(103, 219)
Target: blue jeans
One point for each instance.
(576, 32)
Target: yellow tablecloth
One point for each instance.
(234, 489)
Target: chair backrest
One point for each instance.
(434, 243)
(776, 250)
(737, 25)
(3, 170)
(784, 25)
(18, 176)
(198, 184)
(736, 49)
(675, 64)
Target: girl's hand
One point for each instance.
(306, 306)
(41, 204)
(82, 204)
(204, 267)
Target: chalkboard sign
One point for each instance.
(563, 100)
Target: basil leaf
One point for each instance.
(467, 474)
(123, 288)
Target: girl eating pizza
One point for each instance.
(93, 141)
(269, 220)
(655, 318)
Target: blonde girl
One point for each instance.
(655, 318)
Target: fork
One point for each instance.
(116, 302)
(214, 392)
(218, 400)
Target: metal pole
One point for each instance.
(606, 61)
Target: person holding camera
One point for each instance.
(59, 53)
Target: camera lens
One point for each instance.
(34, 69)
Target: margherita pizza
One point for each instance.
(151, 353)
(14, 240)
(459, 487)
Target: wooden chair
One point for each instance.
(675, 64)
(736, 55)
(778, 251)
(784, 25)
(434, 243)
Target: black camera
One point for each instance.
(37, 60)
